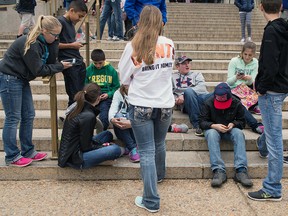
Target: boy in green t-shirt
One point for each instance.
(103, 73)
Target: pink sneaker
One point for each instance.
(182, 128)
(22, 162)
(134, 156)
(256, 110)
(39, 156)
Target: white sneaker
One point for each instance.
(109, 39)
(115, 38)
(249, 39)
(242, 40)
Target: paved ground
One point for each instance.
(178, 197)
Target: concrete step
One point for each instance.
(174, 141)
(179, 165)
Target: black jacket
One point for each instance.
(210, 115)
(77, 137)
(245, 5)
(29, 66)
(26, 6)
(273, 60)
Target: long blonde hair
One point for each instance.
(145, 40)
(44, 22)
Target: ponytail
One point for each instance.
(44, 22)
(90, 93)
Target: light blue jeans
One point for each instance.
(97, 156)
(150, 127)
(236, 135)
(271, 111)
(18, 106)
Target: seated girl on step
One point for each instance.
(79, 148)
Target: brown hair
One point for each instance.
(90, 93)
(248, 45)
(145, 40)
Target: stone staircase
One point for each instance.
(211, 39)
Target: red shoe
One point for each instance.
(39, 156)
(22, 162)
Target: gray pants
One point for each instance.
(245, 20)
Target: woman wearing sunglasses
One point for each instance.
(28, 57)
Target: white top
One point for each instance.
(114, 108)
(151, 85)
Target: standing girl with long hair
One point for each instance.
(146, 66)
(28, 57)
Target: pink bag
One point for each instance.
(247, 95)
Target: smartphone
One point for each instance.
(72, 60)
(83, 43)
(241, 73)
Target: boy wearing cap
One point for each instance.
(222, 117)
(189, 91)
(271, 84)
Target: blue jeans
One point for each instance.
(97, 156)
(236, 135)
(192, 105)
(126, 136)
(110, 6)
(74, 78)
(271, 111)
(150, 127)
(18, 106)
(104, 111)
(111, 25)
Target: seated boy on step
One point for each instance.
(189, 90)
(222, 117)
(104, 74)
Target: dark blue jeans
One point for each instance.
(97, 156)
(104, 107)
(74, 78)
(126, 136)
(18, 106)
(192, 105)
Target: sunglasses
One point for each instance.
(55, 35)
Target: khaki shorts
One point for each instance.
(27, 19)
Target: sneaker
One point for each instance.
(138, 202)
(115, 38)
(160, 180)
(182, 128)
(262, 196)
(257, 145)
(242, 40)
(256, 110)
(285, 159)
(249, 39)
(243, 178)
(259, 129)
(199, 132)
(134, 156)
(22, 162)
(126, 152)
(39, 156)
(109, 38)
(219, 177)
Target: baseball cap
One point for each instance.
(181, 59)
(222, 96)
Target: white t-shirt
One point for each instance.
(151, 85)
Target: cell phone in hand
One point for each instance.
(72, 60)
(83, 43)
(241, 73)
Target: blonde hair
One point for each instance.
(145, 41)
(44, 22)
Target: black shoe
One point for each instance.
(243, 178)
(219, 177)
(199, 132)
(262, 196)
(285, 159)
